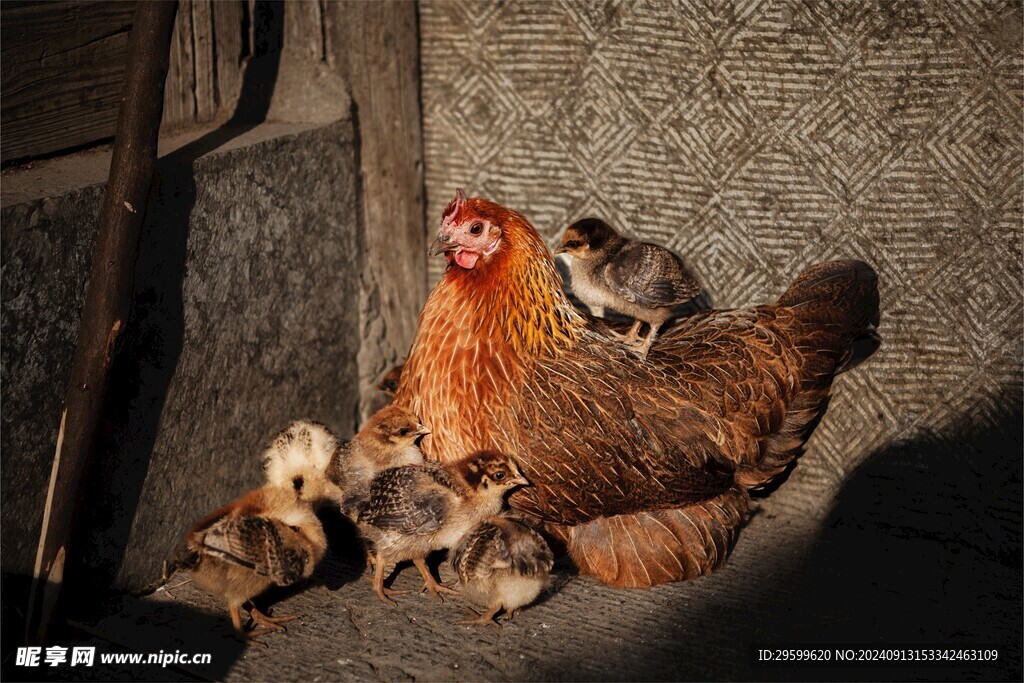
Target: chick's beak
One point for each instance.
(443, 243)
(519, 480)
(561, 250)
(422, 430)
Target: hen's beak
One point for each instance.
(443, 243)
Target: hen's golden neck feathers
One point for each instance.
(478, 334)
(516, 297)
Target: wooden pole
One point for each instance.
(107, 299)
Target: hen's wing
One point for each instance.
(603, 434)
(649, 275)
(414, 499)
(267, 546)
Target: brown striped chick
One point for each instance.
(502, 564)
(638, 279)
(418, 509)
(270, 536)
(387, 440)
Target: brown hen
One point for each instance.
(641, 468)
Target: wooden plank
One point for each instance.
(205, 92)
(61, 71)
(179, 93)
(375, 47)
(304, 29)
(229, 51)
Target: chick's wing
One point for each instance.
(267, 546)
(414, 499)
(649, 275)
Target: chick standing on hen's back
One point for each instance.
(503, 564)
(418, 509)
(639, 279)
(270, 536)
(641, 468)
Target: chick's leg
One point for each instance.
(378, 584)
(477, 619)
(633, 335)
(249, 637)
(269, 622)
(645, 347)
(429, 584)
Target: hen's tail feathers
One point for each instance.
(837, 306)
(840, 296)
(658, 546)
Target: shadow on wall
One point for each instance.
(923, 546)
(143, 371)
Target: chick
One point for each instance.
(503, 564)
(418, 509)
(390, 380)
(270, 536)
(639, 279)
(387, 440)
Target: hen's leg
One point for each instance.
(481, 619)
(429, 584)
(378, 584)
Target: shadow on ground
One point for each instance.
(922, 547)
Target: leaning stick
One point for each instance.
(107, 299)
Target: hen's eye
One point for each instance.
(498, 476)
(476, 228)
(403, 431)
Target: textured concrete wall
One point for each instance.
(246, 317)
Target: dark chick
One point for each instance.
(270, 536)
(639, 279)
(501, 564)
(418, 509)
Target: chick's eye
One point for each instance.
(498, 476)
(572, 244)
(403, 431)
(476, 228)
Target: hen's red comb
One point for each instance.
(454, 205)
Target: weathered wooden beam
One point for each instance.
(375, 47)
(61, 69)
(107, 299)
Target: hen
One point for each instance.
(641, 468)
